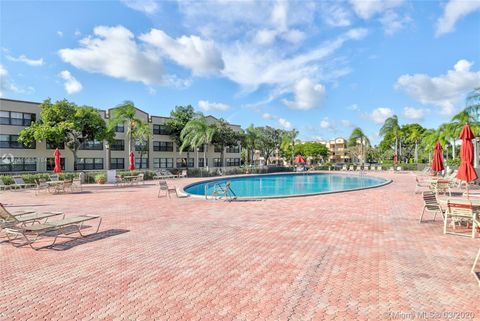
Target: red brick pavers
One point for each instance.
(350, 256)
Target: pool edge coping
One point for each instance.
(257, 198)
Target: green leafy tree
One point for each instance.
(391, 129)
(267, 141)
(224, 136)
(63, 121)
(179, 118)
(316, 151)
(251, 137)
(197, 132)
(287, 146)
(141, 136)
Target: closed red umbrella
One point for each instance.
(466, 172)
(395, 159)
(131, 167)
(58, 165)
(437, 164)
(299, 160)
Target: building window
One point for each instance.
(141, 163)
(16, 119)
(217, 162)
(201, 162)
(118, 144)
(182, 162)
(163, 146)
(119, 128)
(20, 164)
(92, 145)
(202, 148)
(233, 149)
(189, 150)
(163, 163)
(232, 161)
(11, 141)
(217, 149)
(52, 145)
(117, 163)
(141, 146)
(89, 164)
(51, 164)
(160, 130)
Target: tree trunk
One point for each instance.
(453, 150)
(188, 156)
(416, 153)
(205, 156)
(75, 159)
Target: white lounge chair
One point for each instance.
(460, 212)
(163, 187)
(3, 187)
(20, 183)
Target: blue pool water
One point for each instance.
(285, 185)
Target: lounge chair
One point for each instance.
(344, 167)
(223, 191)
(76, 184)
(379, 167)
(139, 179)
(431, 204)
(183, 174)
(41, 185)
(165, 174)
(476, 273)
(20, 183)
(350, 168)
(3, 187)
(23, 218)
(460, 212)
(164, 187)
(31, 233)
(54, 178)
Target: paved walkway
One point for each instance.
(350, 256)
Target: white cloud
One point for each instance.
(207, 106)
(59, 33)
(379, 115)
(307, 94)
(366, 9)
(265, 36)
(7, 85)
(201, 56)
(112, 51)
(393, 23)
(71, 84)
(455, 10)
(26, 60)
(267, 116)
(284, 123)
(353, 107)
(77, 33)
(412, 113)
(334, 14)
(326, 124)
(346, 123)
(444, 91)
(145, 6)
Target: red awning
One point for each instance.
(299, 160)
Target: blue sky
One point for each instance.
(320, 67)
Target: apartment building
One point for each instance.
(338, 150)
(161, 152)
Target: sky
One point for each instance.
(322, 67)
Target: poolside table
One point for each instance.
(55, 185)
(130, 178)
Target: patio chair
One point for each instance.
(23, 218)
(167, 174)
(31, 233)
(460, 212)
(119, 181)
(41, 185)
(183, 174)
(164, 187)
(77, 184)
(3, 187)
(139, 179)
(350, 168)
(20, 183)
(431, 204)
(421, 185)
(223, 191)
(476, 273)
(441, 186)
(344, 167)
(54, 178)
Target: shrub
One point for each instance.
(100, 178)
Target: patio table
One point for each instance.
(130, 178)
(56, 185)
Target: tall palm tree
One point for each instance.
(126, 114)
(141, 136)
(415, 136)
(251, 136)
(288, 143)
(197, 132)
(391, 126)
(358, 137)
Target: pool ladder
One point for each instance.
(221, 190)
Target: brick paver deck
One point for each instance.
(349, 256)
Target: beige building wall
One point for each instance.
(30, 160)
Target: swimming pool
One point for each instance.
(287, 185)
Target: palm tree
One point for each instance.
(288, 143)
(251, 136)
(126, 113)
(197, 132)
(357, 136)
(142, 135)
(391, 127)
(415, 135)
